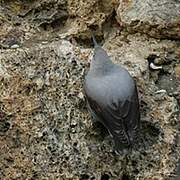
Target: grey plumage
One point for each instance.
(112, 98)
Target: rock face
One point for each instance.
(159, 19)
(45, 129)
(20, 19)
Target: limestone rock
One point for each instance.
(46, 131)
(159, 19)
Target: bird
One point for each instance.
(112, 99)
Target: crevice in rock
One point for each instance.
(151, 129)
(84, 177)
(125, 177)
(105, 177)
(150, 133)
(151, 58)
(87, 41)
(55, 24)
(4, 123)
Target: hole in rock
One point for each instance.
(87, 42)
(105, 177)
(125, 177)
(4, 126)
(150, 129)
(84, 177)
(151, 58)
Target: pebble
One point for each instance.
(14, 46)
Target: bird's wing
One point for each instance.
(133, 118)
(125, 114)
(111, 119)
(121, 118)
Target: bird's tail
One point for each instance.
(94, 41)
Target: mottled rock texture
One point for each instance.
(45, 129)
(158, 19)
(19, 20)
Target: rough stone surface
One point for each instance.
(45, 129)
(85, 15)
(159, 19)
(21, 21)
